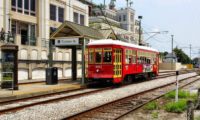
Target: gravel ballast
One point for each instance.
(61, 109)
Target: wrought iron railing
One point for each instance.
(7, 37)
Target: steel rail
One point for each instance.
(90, 113)
(50, 100)
(60, 92)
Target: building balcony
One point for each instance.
(18, 39)
(7, 38)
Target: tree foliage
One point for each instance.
(182, 57)
(163, 54)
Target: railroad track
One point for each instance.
(167, 73)
(119, 108)
(14, 105)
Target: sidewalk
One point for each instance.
(29, 90)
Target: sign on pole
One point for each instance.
(66, 41)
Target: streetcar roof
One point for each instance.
(117, 42)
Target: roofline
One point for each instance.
(117, 42)
(87, 2)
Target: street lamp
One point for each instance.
(140, 32)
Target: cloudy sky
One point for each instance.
(180, 17)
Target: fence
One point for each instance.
(191, 106)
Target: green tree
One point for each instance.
(182, 57)
(163, 54)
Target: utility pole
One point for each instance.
(172, 51)
(190, 52)
(140, 30)
(104, 4)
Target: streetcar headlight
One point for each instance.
(97, 70)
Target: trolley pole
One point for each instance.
(177, 84)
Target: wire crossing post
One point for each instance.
(172, 51)
(176, 97)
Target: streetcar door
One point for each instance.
(117, 63)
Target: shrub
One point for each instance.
(151, 106)
(181, 94)
(176, 107)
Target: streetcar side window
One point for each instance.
(134, 56)
(98, 55)
(91, 56)
(128, 56)
(107, 55)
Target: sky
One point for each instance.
(180, 17)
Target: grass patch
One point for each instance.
(181, 94)
(176, 107)
(154, 114)
(151, 106)
(197, 118)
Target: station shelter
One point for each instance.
(74, 36)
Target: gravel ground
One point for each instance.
(142, 114)
(44, 99)
(66, 108)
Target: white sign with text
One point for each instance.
(66, 41)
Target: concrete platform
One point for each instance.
(29, 90)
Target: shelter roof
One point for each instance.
(71, 29)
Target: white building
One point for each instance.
(122, 21)
(31, 22)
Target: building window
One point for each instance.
(132, 17)
(76, 17)
(61, 14)
(13, 5)
(56, 13)
(32, 5)
(120, 18)
(124, 17)
(53, 12)
(24, 6)
(82, 19)
(14, 27)
(19, 5)
(79, 18)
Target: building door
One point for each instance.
(117, 63)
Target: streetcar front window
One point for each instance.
(91, 56)
(107, 55)
(98, 55)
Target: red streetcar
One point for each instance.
(120, 62)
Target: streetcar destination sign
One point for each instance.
(66, 41)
